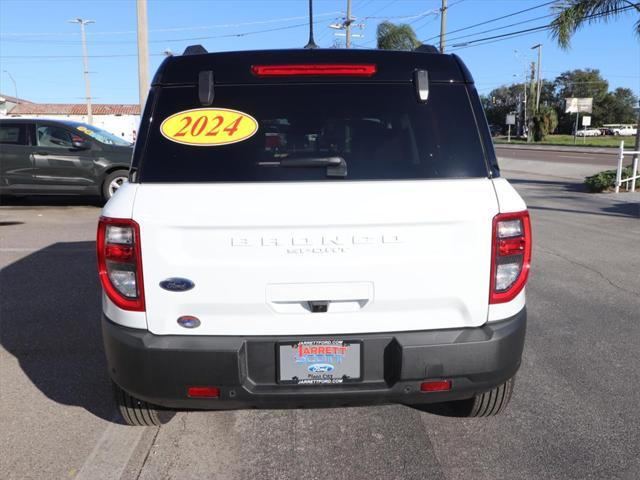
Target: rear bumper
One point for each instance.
(159, 369)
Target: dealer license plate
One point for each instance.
(319, 362)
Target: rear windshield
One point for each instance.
(381, 132)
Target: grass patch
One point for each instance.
(604, 141)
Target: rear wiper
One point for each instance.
(336, 166)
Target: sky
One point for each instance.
(42, 51)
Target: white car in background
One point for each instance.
(625, 131)
(588, 132)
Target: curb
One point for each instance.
(559, 148)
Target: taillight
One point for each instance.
(120, 262)
(510, 255)
(315, 69)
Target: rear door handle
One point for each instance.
(42, 153)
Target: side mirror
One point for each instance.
(81, 145)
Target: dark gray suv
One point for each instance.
(40, 156)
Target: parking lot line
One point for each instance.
(112, 453)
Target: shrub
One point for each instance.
(604, 180)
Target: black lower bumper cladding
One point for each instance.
(160, 368)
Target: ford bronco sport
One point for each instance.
(313, 227)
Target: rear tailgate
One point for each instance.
(388, 256)
(398, 241)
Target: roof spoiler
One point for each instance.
(195, 50)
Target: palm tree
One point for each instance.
(573, 14)
(396, 37)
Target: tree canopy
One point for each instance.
(396, 37)
(571, 15)
(618, 106)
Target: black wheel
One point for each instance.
(487, 404)
(113, 182)
(138, 412)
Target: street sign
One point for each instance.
(578, 105)
(586, 121)
(511, 119)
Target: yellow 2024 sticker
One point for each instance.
(209, 127)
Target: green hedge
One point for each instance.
(605, 180)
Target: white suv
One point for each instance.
(626, 130)
(313, 227)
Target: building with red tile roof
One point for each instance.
(118, 118)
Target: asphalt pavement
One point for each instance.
(574, 413)
(607, 157)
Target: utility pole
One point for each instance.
(532, 99)
(525, 124)
(443, 24)
(143, 52)
(538, 84)
(637, 147)
(348, 24)
(15, 86)
(85, 63)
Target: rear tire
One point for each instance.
(487, 404)
(112, 182)
(139, 413)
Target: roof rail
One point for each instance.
(424, 48)
(194, 50)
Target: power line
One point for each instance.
(79, 56)
(433, 18)
(164, 40)
(527, 31)
(417, 16)
(456, 3)
(384, 7)
(493, 41)
(374, 16)
(501, 28)
(244, 34)
(365, 4)
(175, 29)
(209, 37)
(510, 34)
(494, 19)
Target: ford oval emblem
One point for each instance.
(320, 368)
(177, 284)
(189, 321)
